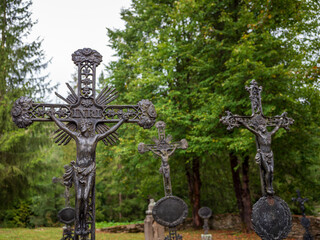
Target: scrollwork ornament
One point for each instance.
(20, 112)
(86, 54)
(148, 114)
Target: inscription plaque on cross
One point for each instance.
(84, 118)
(269, 207)
(169, 211)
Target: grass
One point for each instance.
(112, 224)
(56, 234)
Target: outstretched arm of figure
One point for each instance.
(175, 147)
(61, 125)
(113, 128)
(277, 127)
(248, 127)
(155, 152)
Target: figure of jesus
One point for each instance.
(165, 168)
(83, 170)
(264, 155)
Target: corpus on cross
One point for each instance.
(85, 119)
(257, 123)
(163, 148)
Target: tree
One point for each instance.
(20, 66)
(193, 59)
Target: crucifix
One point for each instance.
(257, 123)
(85, 118)
(169, 211)
(305, 222)
(163, 148)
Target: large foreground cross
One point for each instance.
(86, 117)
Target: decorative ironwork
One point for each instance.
(164, 149)
(257, 123)
(305, 222)
(271, 218)
(205, 213)
(84, 118)
(67, 214)
(173, 235)
(170, 211)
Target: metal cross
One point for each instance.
(86, 116)
(257, 123)
(164, 149)
(301, 202)
(305, 222)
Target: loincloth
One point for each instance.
(266, 157)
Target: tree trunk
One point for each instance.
(194, 184)
(246, 198)
(241, 189)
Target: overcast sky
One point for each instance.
(68, 25)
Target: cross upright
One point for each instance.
(257, 123)
(84, 118)
(164, 149)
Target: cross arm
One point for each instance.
(25, 112)
(142, 148)
(280, 121)
(233, 120)
(144, 113)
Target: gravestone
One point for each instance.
(305, 222)
(85, 118)
(152, 230)
(205, 213)
(271, 217)
(169, 211)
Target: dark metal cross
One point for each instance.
(305, 222)
(257, 123)
(84, 118)
(164, 149)
(301, 202)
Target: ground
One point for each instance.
(56, 234)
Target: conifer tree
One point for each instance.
(20, 65)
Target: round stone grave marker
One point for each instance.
(67, 215)
(271, 218)
(170, 211)
(205, 212)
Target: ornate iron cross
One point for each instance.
(164, 149)
(257, 123)
(86, 116)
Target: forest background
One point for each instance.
(192, 59)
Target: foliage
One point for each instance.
(193, 60)
(23, 152)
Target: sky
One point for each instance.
(68, 25)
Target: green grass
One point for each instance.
(56, 234)
(112, 224)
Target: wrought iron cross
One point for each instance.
(164, 149)
(301, 202)
(305, 222)
(86, 116)
(257, 123)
